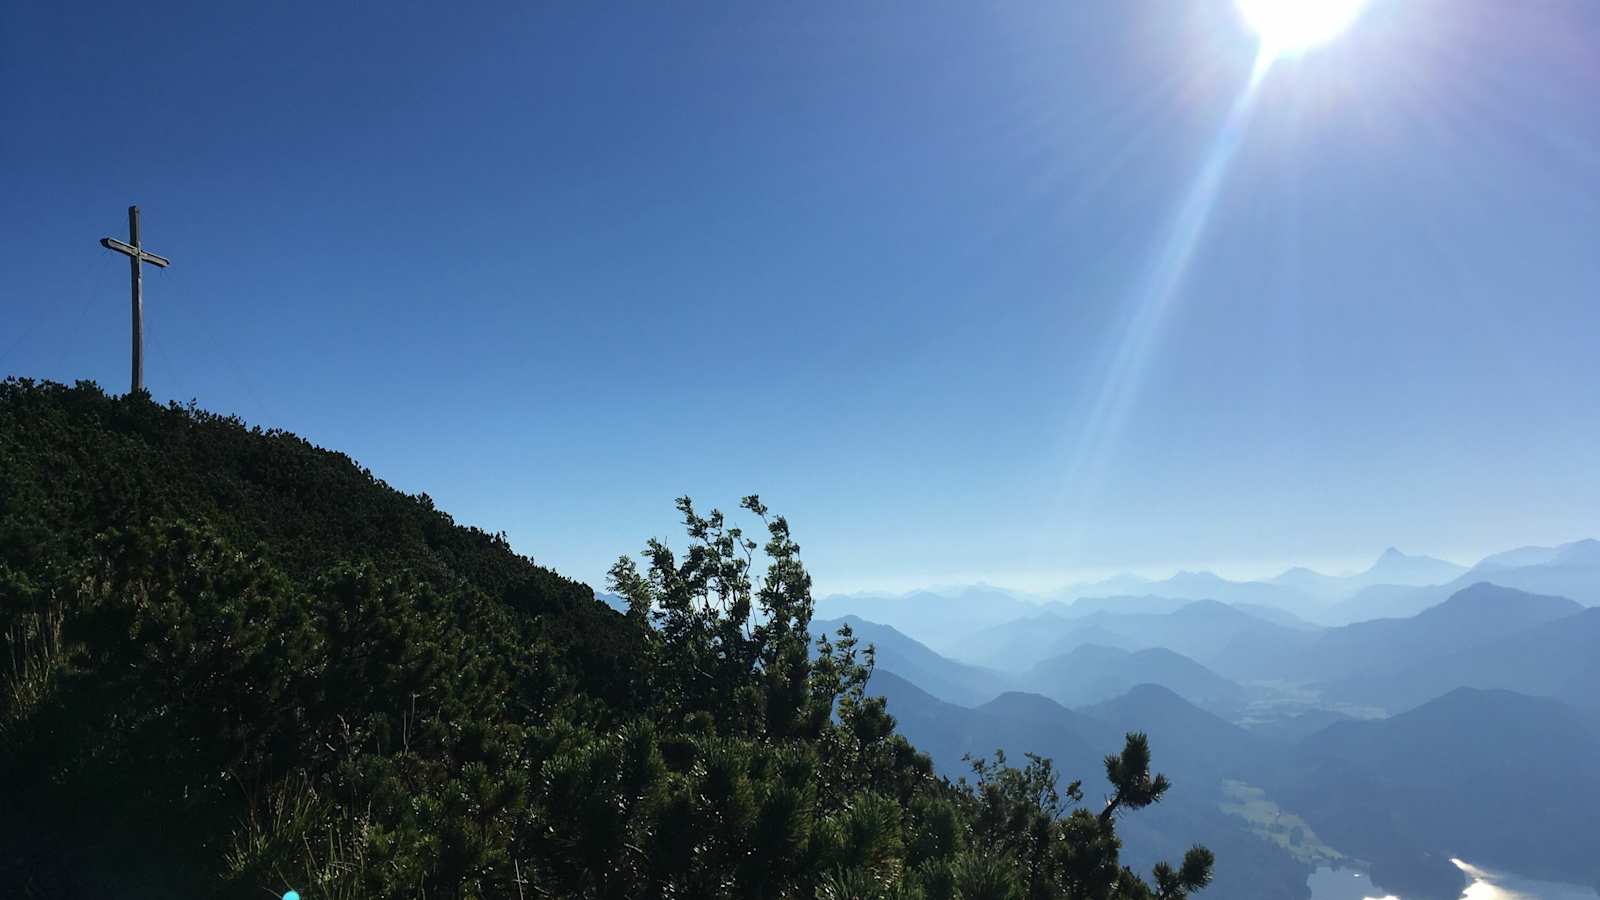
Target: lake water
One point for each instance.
(1487, 884)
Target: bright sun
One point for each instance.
(1290, 26)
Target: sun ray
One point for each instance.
(1084, 474)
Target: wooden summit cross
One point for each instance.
(137, 256)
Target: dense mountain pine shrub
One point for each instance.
(236, 664)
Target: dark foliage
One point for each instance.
(236, 664)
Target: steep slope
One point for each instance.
(1467, 733)
(1552, 659)
(940, 676)
(1491, 776)
(1092, 673)
(75, 463)
(1472, 616)
(195, 605)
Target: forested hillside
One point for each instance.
(238, 664)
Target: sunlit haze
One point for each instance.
(1020, 294)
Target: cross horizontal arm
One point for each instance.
(129, 250)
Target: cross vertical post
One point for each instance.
(137, 257)
(138, 301)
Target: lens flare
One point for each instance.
(1291, 26)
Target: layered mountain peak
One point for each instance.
(1026, 705)
(1396, 567)
(1208, 608)
(1098, 653)
(1151, 695)
(1197, 576)
(1584, 553)
(1487, 598)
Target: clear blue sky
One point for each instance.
(936, 279)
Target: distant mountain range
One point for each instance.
(1298, 589)
(1209, 653)
(1570, 570)
(1392, 567)
(1396, 585)
(1084, 675)
(1470, 617)
(1224, 644)
(1199, 586)
(1214, 634)
(1489, 775)
(1482, 635)
(1490, 676)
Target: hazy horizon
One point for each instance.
(1047, 583)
